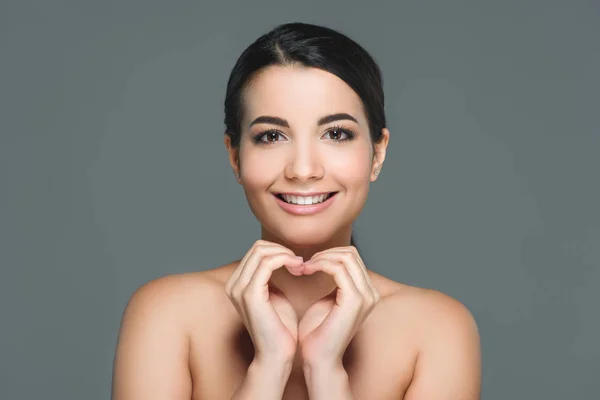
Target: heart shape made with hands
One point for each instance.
(312, 318)
(285, 310)
(329, 324)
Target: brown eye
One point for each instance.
(335, 134)
(339, 135)
(267, 137)
(271, 136)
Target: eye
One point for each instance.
(267, 137)
(340, 134)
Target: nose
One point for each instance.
(304, 163)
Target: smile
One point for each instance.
(305, 205)
(304, 200)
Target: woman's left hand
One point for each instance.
(328, 326)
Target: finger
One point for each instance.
(248, 264)
(354, 268)
(357, 270)
(243, 261)
(374, 290)
(347, 249)
(340, 275)
(359, 260)
(260, 253)
(258, 282)
(354, 250)
(238, 270)
(242, 294)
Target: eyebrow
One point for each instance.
(265, 119)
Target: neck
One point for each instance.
(306, 288)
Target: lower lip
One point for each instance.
(304, 209)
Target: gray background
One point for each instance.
(113, 172)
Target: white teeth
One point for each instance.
(304, 200)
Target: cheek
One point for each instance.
(350, 164)
(260, 168)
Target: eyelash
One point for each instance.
(350, 134)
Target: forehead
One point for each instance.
(300, 94)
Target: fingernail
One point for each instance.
(300, 258)
(308, 262)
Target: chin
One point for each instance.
(305, 239)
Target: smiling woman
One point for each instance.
(300, 315)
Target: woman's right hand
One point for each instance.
(269, 317)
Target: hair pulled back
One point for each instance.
(313, 46)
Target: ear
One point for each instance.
(234, 156)
(379, 154)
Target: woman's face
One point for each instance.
(296, 151)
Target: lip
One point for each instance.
(302, 209)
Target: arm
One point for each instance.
(449, 361)
(264, 382)
(151, 360)
(327, 382)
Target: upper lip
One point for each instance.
(307, 194)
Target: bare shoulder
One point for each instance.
(426, 308)
(435, 309)
(180, 295)
(153, 346)
(151, 359)
(448, 362)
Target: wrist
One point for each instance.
(264, 381)
(327, 381)
(272, 363)
(271, 370)
(322, 366)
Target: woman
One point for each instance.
(299, 316)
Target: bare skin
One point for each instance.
(181, 338)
